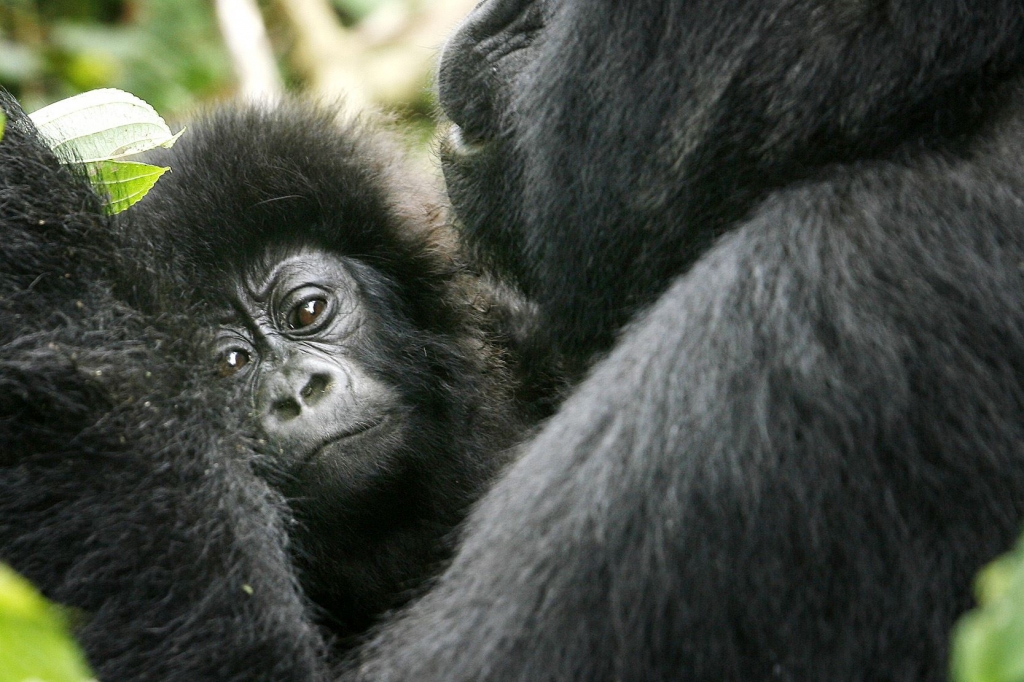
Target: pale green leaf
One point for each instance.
(35, 640)
(101, 125)
(124, 182)
(3, 124)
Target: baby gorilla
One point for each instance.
(345, 327)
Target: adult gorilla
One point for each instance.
(806, 219)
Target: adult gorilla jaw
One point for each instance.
(479, 66)
(482, 181)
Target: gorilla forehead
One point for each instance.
(285, 166)
(296, 263)
(266, 286)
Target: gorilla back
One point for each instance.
(803, 222)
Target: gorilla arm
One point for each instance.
(751, 484)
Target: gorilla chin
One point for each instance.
(374, 430)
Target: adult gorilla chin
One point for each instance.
(791, 234)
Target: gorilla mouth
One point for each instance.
(459, 144)
(360, 429)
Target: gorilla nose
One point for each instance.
(290, 406)
(297, 399)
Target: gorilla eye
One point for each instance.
(306, 313)
(231, 361)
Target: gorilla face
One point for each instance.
(597, 152)
(568, 222)
(479, 72)
(298, 339)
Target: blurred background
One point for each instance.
(181, 54)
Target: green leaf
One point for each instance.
(124, 182)
(101, 125)
(35, 640)
(3, 124)
(988, 642)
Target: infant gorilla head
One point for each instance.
(343, 324)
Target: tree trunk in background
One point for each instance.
(245, 36)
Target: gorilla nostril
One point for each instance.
(315, 389)
(286, 409)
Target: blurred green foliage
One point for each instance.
(169, 52)
(35, 640)
(988, 642)
(352, 11)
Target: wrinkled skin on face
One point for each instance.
(303, 342)
(300, 341)
(315, 344)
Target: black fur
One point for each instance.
(133, 482)
(124, 491)
(792, 234)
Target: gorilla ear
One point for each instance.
(100, 129)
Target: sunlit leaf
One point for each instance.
(99, 129)
(3, 124)
(102, 125)
(124, 182)
(35, 641)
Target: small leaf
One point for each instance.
(35, 640)
(3, 124)
(101, 125)
(125, 182)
